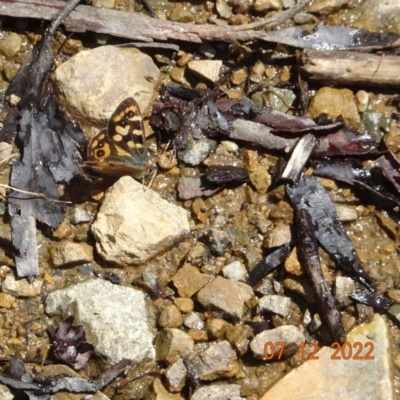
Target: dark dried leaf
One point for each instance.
(345, 142)
(50, 148)
(372, 300)
(70, 344)
(310, 195)
(331, 37)
(389, 166)
(260, 134)
(309, 259)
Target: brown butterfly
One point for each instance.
(120, 149)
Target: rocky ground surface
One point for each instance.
(198, 252)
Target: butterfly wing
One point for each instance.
(121, 149)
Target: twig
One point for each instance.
(35, 194)
(140, 27)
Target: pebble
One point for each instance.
(167, 161)
(159, 392)
(78, 215)
(288, 334)
(197, 254)
(5, 393)
(335, 102)
(21, 287)
(267, 5)
(175, 376)
(182, 13)
(193, 321)
(305, 18)
(345, 213)
(103, 3)
(336, 380)
(238, 336)
(218, 360)
(218, 241)
(238, 76)
(235, 271)
(170, 317)
(344, 286)
(252, 258)
(362, 100)
(10, 45)
(260, 179)
(233, 298)
(292, 263)
(199, 210)
(10, 70)
(97, 304)
(365, 14)
(177, 74)
(223, 9)
(106, 76)
(184, 59)
(218, 392)
(7, 301)
(216, 327)
(184, 305)
(172, 343)
(321, 6)
(207, 50)
(68, 253)
(189, 280)
(206, 69)
(196, 151)
(198, 335)
(154, 225)
(232, 147)
(275, 304)
(279, 236)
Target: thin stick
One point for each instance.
(35, 194)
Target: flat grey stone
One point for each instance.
(116, 319)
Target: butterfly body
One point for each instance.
(120, 149)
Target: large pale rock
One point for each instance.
(92, 83)
(134, 224)
(333, 379)
(117, 320)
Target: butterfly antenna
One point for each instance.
(152, 179)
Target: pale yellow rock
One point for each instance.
(343, 379)
(208, 69)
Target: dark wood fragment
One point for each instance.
(226, 174)
(372, 300)
(309, 260)
(268, 264)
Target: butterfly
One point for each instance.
(120, 149)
